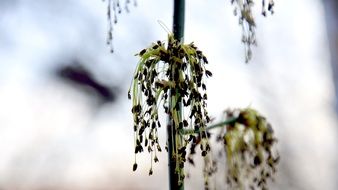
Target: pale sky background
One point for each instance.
(53, 136)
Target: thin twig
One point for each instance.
(192, 131)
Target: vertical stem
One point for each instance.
(178, 29)
(178, 23)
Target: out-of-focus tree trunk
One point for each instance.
(331, 14)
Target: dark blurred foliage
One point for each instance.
(82, 78)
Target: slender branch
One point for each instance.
(221, 124)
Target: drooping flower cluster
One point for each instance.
(171, 75)
(249, 147)
(243, 8)
(114, 7)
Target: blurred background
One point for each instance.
(65, 120)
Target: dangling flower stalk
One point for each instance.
(114, 8)
(243, 9)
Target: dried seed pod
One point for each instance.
(208, 73)
(142, 52)
(156, 159)
(134, 167)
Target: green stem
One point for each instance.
(221, 124)
(178, 25)
(178, 29)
